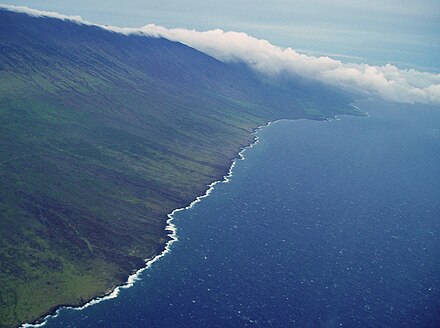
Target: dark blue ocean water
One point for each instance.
(324, 224)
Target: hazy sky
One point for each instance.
(403, 32)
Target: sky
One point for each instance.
(401, 32)
(395, 82)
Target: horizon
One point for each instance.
(405, 34)
(388, 81)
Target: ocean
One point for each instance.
(323, 224)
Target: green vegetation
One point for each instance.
(102, 135)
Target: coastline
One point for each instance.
(172, 238)
(171, 227)
(128, 143)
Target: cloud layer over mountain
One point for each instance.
(388, 82)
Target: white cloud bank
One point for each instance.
(388, 82)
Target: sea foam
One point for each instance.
(173, 237)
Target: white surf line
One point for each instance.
(171, 227)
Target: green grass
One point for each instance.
(101, 136)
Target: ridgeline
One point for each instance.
(102, 135)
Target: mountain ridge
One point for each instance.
(102, 135)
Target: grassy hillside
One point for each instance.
(102, 135)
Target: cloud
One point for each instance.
(41, 13)
(388, 82)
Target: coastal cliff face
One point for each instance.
(102, 135)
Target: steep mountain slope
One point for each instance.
(102, 135)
